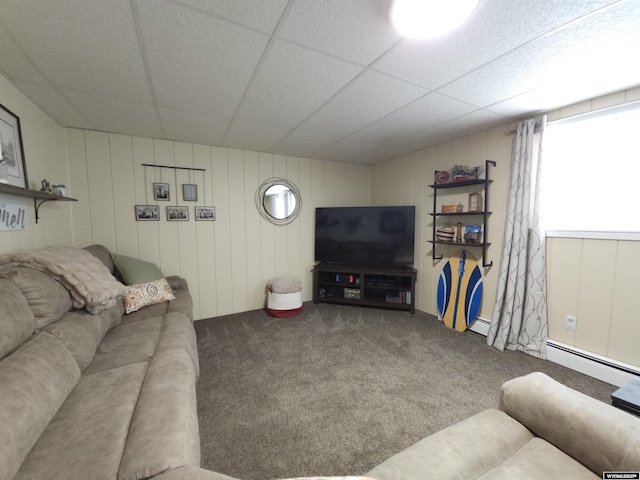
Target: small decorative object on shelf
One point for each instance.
(465, 173)
(472, 233)
(445, 232)
(441, 176)
(452, 208)
(59, 190)
(46, 187)
(459, 233)
(475, 202)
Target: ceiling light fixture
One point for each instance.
(422, 19)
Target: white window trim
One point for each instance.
(633, 236)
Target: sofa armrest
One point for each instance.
(192, 473)
(599, 436)
(176, 282)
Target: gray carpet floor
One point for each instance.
(338, 389)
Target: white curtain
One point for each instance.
(519, 320)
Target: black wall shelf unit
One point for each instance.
(482, 216)
(38, 197)
(382, 287)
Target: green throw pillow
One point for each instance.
(133, 270)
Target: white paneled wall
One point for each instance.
(45, 156)
(406, 180)
(227, 262)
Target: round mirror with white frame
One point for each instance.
(278, 201)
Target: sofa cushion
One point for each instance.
(183, 303)
(17, 322)
(35, 379)
(81, 332)
(178, 334)
(133, 270)
(540, 460)
(164, 430)
(103, 254)
(47, 298)
(86, 437)
(127, 344)
(143, 294)
(597, 435)
(468, 450)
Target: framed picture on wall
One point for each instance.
(147, 213)
(13, 169)
(177, 214)
(190, 192)
(161, 191)
(475, 202)
(205, 214)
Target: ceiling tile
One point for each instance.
(201, 63)
(303, 144)
(427, 111)
(15, 64)
(253, 136)
(380, 154)
(292, 83)
(493, 29)
(583, 52)
(115, 115)
(459, 127)
(192, 127)
(52, 102)
(253, 13)
(361, 103)
(345, 149)
(89, 46)
(357, 30)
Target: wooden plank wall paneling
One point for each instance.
(227, 262)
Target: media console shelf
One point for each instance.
(365, 286)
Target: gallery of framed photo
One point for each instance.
(161, 191)
(205, 214)
(13, 169)
(148, 213)
(190, 192)
(177, 214)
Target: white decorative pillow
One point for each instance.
(143, 294)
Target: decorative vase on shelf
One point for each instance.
(59, 190)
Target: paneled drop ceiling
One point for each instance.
(326, 79)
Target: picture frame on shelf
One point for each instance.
(12, 150)
(475, 202)
(147, 213)
(205, 214)
(178, 214)
(190, 192)
(161, 192)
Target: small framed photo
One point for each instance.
(161, 191)
(177, 214)
(13, 168)
(190, 192)
(147, 213)
(475, 202)
(205, 214)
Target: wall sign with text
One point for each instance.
(13, 215)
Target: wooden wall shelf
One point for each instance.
(38, 197)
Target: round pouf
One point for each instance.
(284, 297)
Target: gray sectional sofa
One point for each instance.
(95, 396)
(111, 395)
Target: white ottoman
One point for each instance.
(284, 297)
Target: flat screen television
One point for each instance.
(375, 236)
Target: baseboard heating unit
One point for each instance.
(596, 366)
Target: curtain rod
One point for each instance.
(536, 126)
(175, 168)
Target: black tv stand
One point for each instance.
(366, 286)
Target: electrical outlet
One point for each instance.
(570, 322)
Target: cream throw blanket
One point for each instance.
(89, 282)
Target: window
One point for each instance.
(591, 172)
